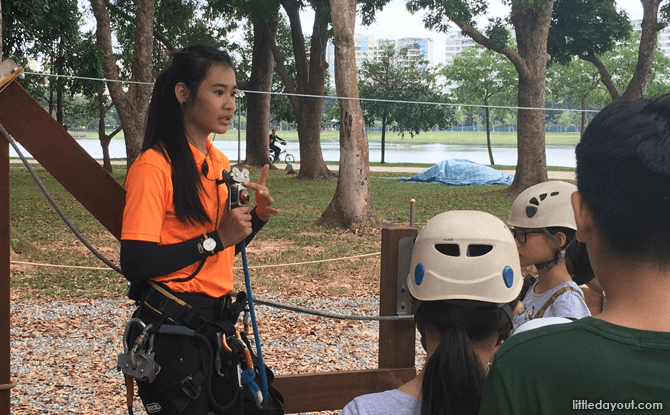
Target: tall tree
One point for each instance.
(588, 28)
(531, 20)
(132, 102)
(397, 77)
(310, 69)
(485, 77)
(258, 104)
(352, 202)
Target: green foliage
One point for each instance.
(396, 78)
(20, 24)
(585, 27)
(368, 8)
(483, 77)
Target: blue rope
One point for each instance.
(257, 339)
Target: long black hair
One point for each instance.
(453, 378)
(165, 125)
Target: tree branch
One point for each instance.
(283, 74)
(605, 76)
(645, 58)
(509, 53)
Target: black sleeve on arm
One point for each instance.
(256, 225)
(141, 260)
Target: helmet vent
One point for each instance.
(531, 211)
(479, 250)
(543, 196)
(534, 201)
(555, 193)
(448, 249)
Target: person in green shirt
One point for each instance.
(618, 361)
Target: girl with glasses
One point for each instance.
(544, 230)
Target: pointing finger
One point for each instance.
(264, 175)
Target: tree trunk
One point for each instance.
(352, 203)
(645, 59)
(310, 76)
(104, 139)
(258, 105)
(488, 133)
(583, 123)
(383, 133)
(132, 104)
(532, 28)
(59, 104)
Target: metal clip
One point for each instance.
(139, 362)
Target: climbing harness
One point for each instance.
(231, 358)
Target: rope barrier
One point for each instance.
(447, 104)
(35, 264)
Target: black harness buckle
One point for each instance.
(189, 388)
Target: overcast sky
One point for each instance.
(387, 27)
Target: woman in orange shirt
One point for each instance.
(179, 240)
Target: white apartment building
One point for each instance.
(370, 49)
(455, 43)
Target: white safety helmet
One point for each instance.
(544, 205)
(465, 255)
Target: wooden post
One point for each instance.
(396, 338)
(5, 394)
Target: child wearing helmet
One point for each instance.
(464, 280)
(619, 360)
(544, 231)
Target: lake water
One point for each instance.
(395, 153)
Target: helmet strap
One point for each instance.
(560, 254)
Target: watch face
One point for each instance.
(209, 244)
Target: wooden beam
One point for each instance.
(329, 391)
(61, 155)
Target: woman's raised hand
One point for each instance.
(264, 201)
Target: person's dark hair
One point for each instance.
(623, 174)
(165, 124)
(576, 257)
(453, 378)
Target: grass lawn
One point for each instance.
(290, 237)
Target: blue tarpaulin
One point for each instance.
(459, 172)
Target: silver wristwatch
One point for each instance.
(209, 244)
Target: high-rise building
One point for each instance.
(455, 43)
(367, 48)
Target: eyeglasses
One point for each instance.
(521, 234)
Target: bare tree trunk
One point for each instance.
(258, 105)
(645, 59)
(531, 25)
(383, 133)
(132, 104)
(583, 123)
(352, 203)
(532, 28)
(488, 133)
(104, 139)
(59, 104)
(311, 72)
